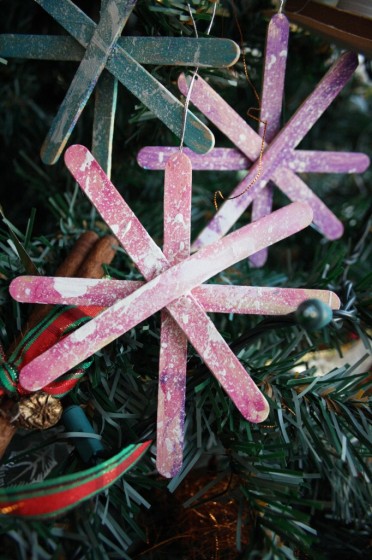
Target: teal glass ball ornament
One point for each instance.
(313, 314)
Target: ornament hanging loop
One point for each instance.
(281, 6)
(195, 73)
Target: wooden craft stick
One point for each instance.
(271, 110)
(112, 21)
(165, 51)
(313, 161)
(214, 298)
(230, 159)
(104, 120)
(173, 341)
(134, 77)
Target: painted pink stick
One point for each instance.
(280, 151)
(230, 159)
(271, 109)
(214, 298)
(173, 342)
(71, 291)
(258, 300)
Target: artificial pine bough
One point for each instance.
(296, 486)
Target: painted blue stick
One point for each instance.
(167, 51)
(104, 116)
(112, 21)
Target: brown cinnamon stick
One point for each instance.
(69, 267)
(102, 252)
(85, 260)
(7, 431)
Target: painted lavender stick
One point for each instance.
(219, 112)
(271, 109)
(167, 287)
(230, 159)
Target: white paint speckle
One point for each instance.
(82, 333)
(69, 288)
(127, 228)
(87, 161)
(272, 61)
(179, 219)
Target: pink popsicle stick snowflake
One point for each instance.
(281, 161)
(174, 281)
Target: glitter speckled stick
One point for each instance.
(271, 109)
(164, 289)
(214, 298)
(173, 342)
(229, 159)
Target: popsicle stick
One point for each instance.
(279, 152)
(134, 77)
(104, 115)
(173, 342)
(254, 300)
(230, 159)
(71, 291)
(271, 109)
(167, 51)
(214, 298)
(40, 47)
(104, 120)
(313, 161)
(112, 21)
(177, 51)
(221, 159)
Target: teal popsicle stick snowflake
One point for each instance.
(99, 47)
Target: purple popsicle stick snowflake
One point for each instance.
(280, 161)
(174, 281)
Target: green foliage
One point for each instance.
(305, 473)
